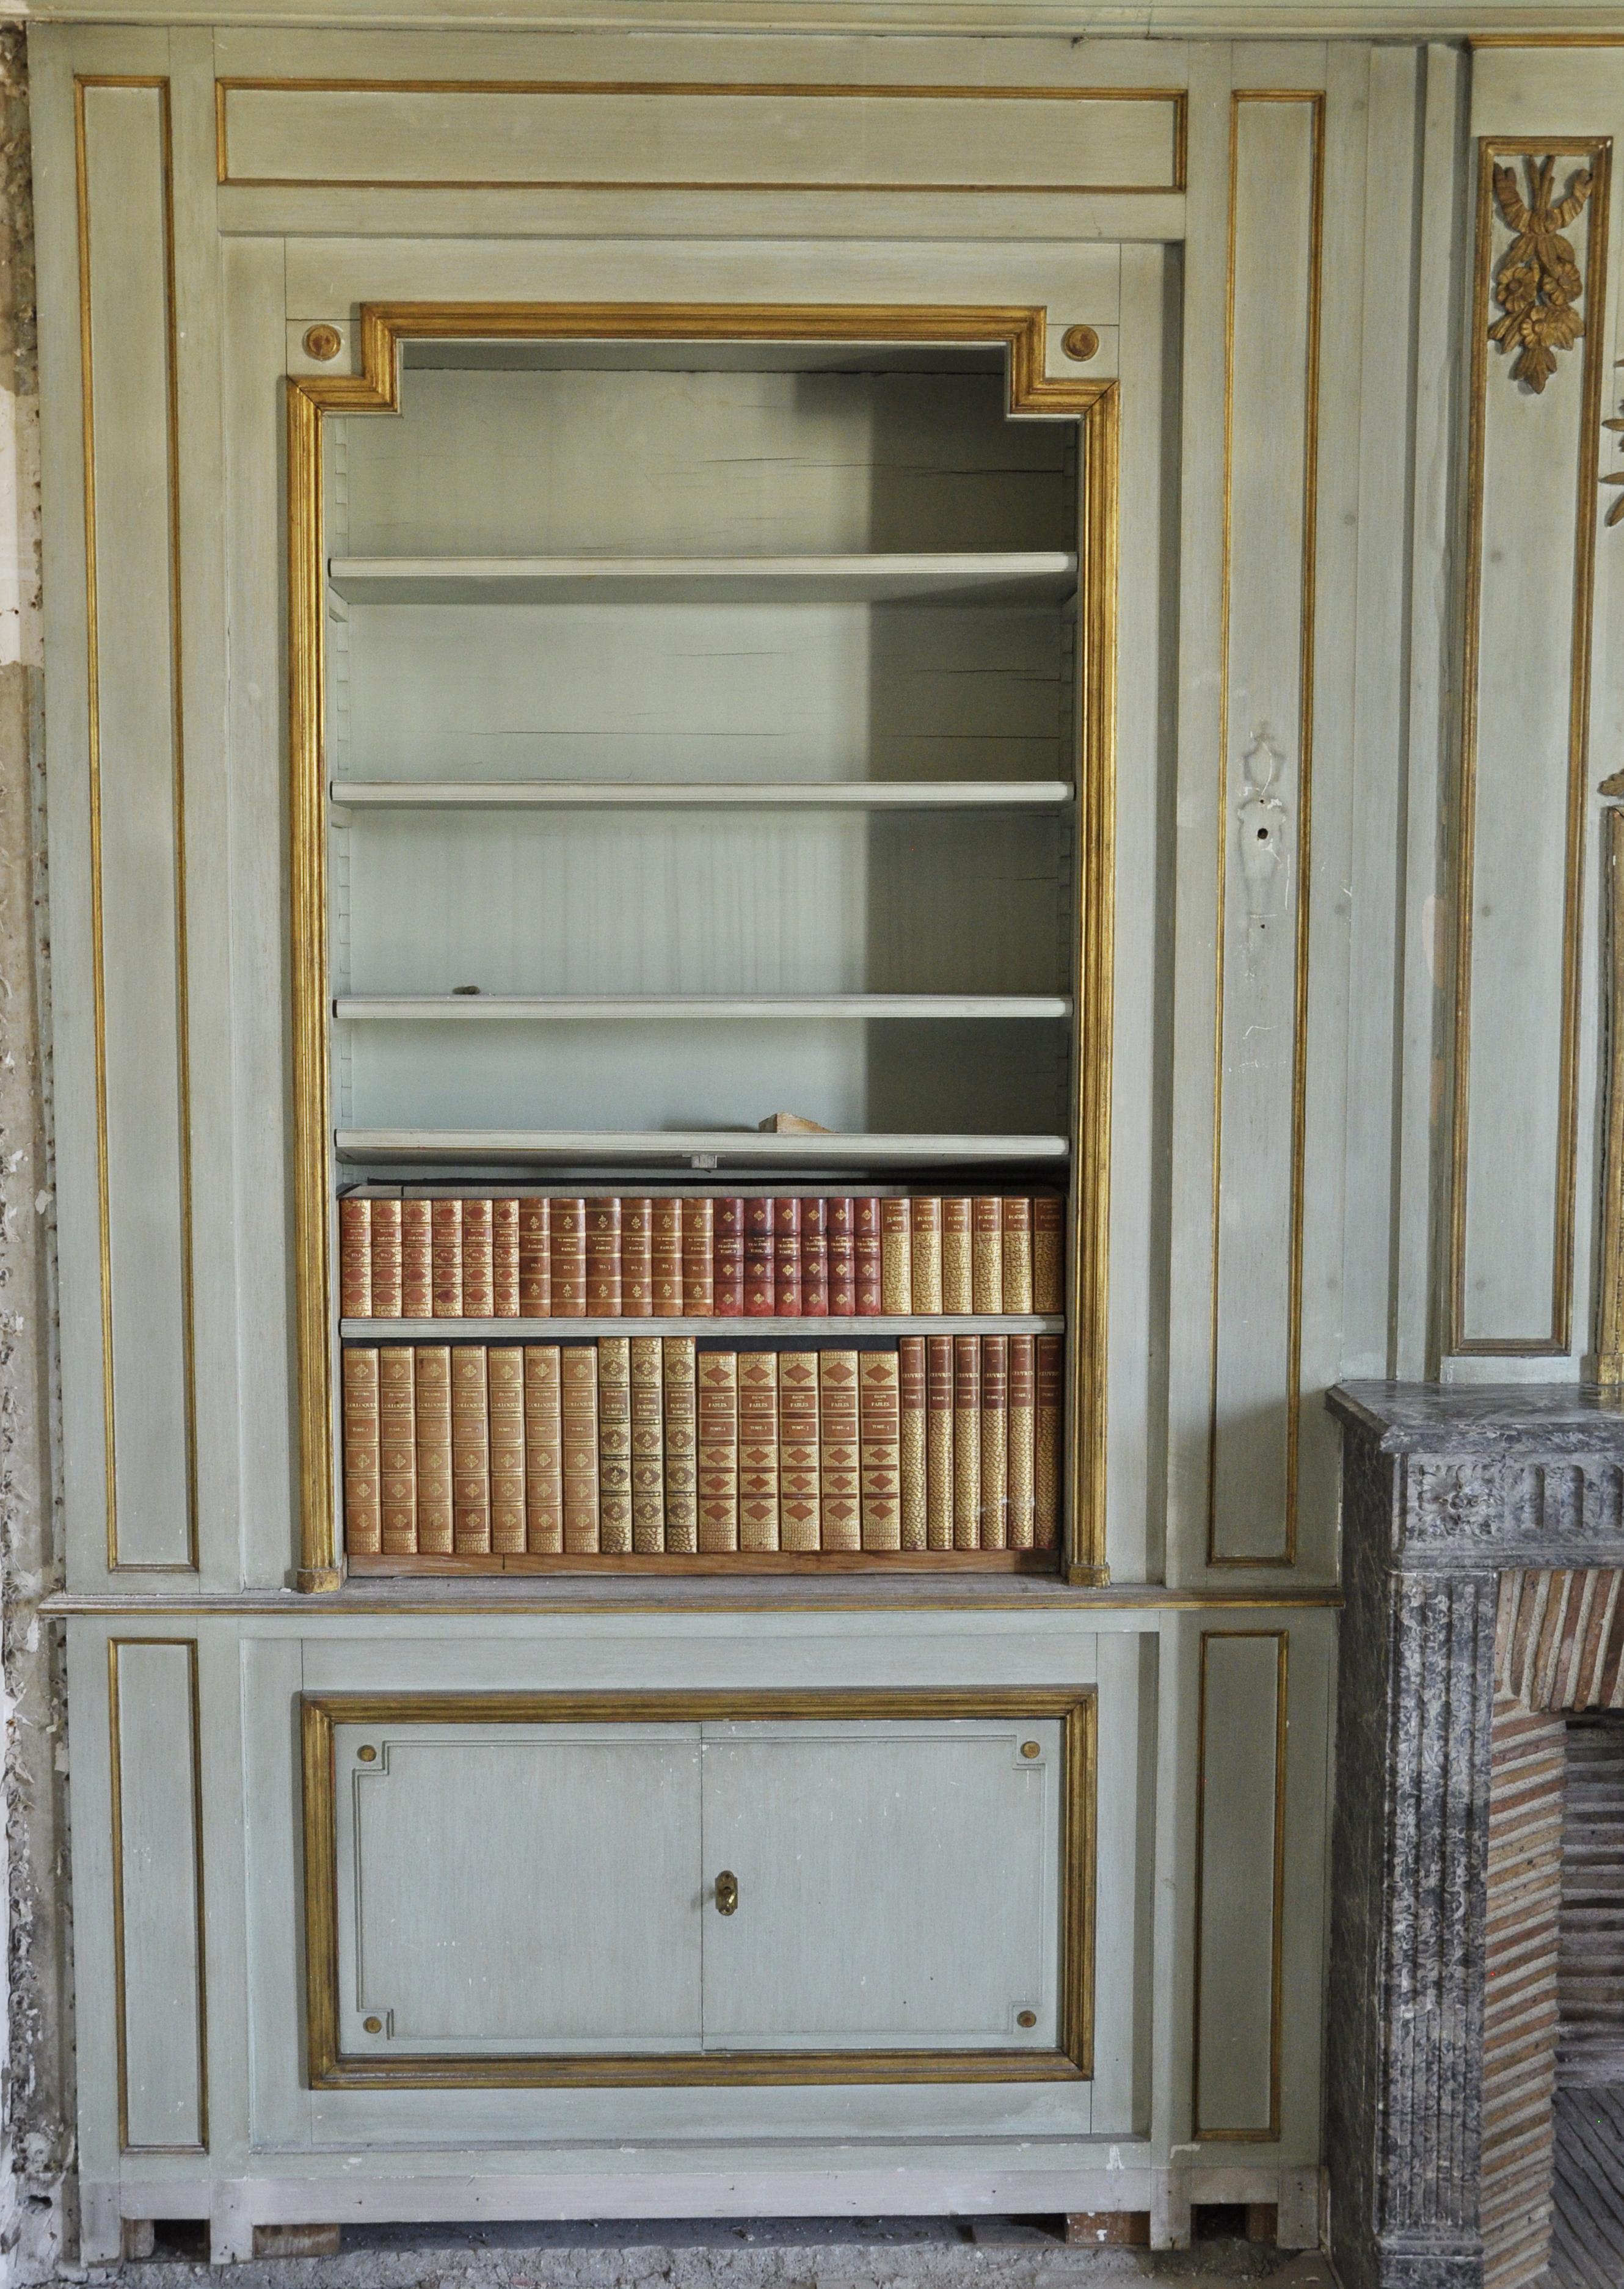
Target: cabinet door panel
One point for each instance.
(518, 1888)
(898, 1884)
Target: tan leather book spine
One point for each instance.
(386, 1238)
(681, 1447)
(799, 1521)
(363, 1512)
(925, 1220)
(938, 1442)
(478, 1298)
(470, 1451)
(839, 1451)
(967, 1443)
(1022, 1441)
(578, 1411)
(647, 1446)
(1017, 1265)
(504, 1259)
(397, 1449)
(717, 1380)
(666, 1259)
(637, 1259)
(1049, 1253)
(958, 1286)
(912, 1488)
(431, 1377)
(506, 1384)
(603, 1286)
(567, 1230)
(1046, 1470)
(417, 1260)
(880, 1436)
(615, 1446)
(758, 1450)
(445, 1224)
(535, 1257)
(995, 1442)
(987, 1255)
(699, 1266)
(355, 1256)
(895, 1256)
(544, 1451)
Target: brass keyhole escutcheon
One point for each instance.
(727, 1893)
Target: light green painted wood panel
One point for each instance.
(157, 1879)
(1240, 1811)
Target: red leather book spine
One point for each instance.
(759, 1258)
(701, 1285)
(814, 1259)
(637, 1259)
(865, 1216)
(355, 1258)
(842, 1259)
(477, 1300)
(603, 1283)
(786, 1257)
(417, 1260)
(567, 1225)
(666, 1258)
(535, 1258)
(505, 1266)
(385, 1259)
(446, 1227)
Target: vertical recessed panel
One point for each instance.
(1264, 822)
(1532, 503)
(1238, 1897)
(157, 1880)
(137, 858)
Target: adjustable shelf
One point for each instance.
(1005, 577)
(708, 1148)
(704, 1009)
(554, 1331)
(776, 795)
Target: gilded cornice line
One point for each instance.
(1539, 280)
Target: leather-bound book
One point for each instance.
(417, 1259)
(578, 1407)
(814, 1259)
(842, 1258)
(759, 1257)
(911, 1389)
(995, 1442)
(385, 1237)
(666, 1258)
(505, 1261)
(717, 1383)
(728, 1257)
(535, 1257)
(431, 1377)
(1049, 1253)
(505, 1380)
(758, 1450)
(925, 1220)
(880, 1436)
(938, 1442)
(566, 1230)
(603, 1282)
(478, 1299)
(1022, 1441)
(647, 1446)
(839, 1451)
(614, 1446)
(987, 1255)
(797, 1475)
(355, 1256)
(786, 1257)
(681, 1447)
(637, 1259)
(544, 1451)
(1046, 1470)
(895, 1256)
(704, 1251)
(470, 1451)
(362, 1514)
(445, 1243)
(397, 1449)
(865, 1247)
(1018, 1253)
(957, 1287)
(967, 1443)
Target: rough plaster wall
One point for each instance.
(34, 2065)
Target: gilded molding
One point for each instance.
(1539, 279)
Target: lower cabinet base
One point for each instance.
(237, 2209)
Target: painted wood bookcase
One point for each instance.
(879, 578)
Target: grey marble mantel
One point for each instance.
(1444, 1489)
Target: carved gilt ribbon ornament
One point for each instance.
(1539, 280)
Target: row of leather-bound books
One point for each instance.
(648, 1444)
(617, 1255)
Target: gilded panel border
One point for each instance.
(1022, 334)
(1072, 2061)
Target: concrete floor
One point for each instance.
(798, 2254)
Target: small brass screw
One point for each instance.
(322, 342)
(1079, 342)
(1032, 1749)
(373, 2026)
(368, 1755)
(1022, 2019)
